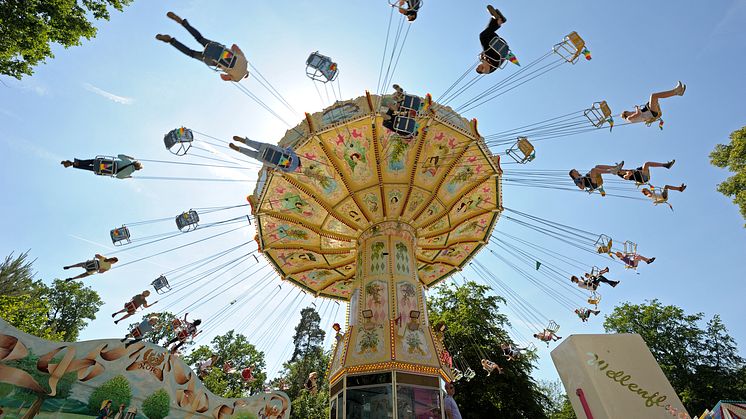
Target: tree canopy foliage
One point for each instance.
(235, 349)
(56, 312)
(28, 28)
(475, 330)
(733, 157)
(702, 363)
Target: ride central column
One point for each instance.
(389, 347)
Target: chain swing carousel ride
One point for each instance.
(372, 201)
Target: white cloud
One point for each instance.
(111, 96)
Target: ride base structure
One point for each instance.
(375, 217)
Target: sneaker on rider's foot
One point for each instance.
(164, 38)
(173, 16)
(496, 13)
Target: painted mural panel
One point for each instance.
(66, 377)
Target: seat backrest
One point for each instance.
(525, 146)
(500, 46)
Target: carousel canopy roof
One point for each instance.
(354, 173)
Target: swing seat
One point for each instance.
(247, 375)
(92, 265)
(457, 374)
(161, 285)
(499, 46)
(594, 271)
(278, 159)
(594, 299)
(178, 141)
(120, 236)
(187, 221)
(630, 248)
(405, 126)
(321, 68)
(219, 56)
(469, 374)
(105, 166)
(552, 326)
(598, 113)
(570, 48)
(414, 5)
(410, 103)
(522, 151)
(604, 243)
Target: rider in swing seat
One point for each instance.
(122, 167)
(232, 62)
(283, 159)
(490, 60)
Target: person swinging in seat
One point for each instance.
(651, 111)
(411, 9)
(490, 59)
(512, 352)
(631, 260)
(585, 313)
(662, 197)
(280, 158)
(641, 175)
(138, 333)
(231, 61)
(99, 264)
(121, 167)
(186, 330)
(490, 366)
(130, 307)
(547, 336)
(592, 181)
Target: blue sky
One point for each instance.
(120, 92)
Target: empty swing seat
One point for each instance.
(187, 221)
(120, 236)
(321, 68)
(522, 151)
(161, 285)
(570, 48)
(178, 141)
(552, 326)
(598, 114)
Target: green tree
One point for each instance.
(475, 330)
(71, 304)
(733, 157)
(308, 356)
(28, 314)
(29, 365)
(558, 405)
(702, 365)
(310, 406)
(29, 27)
(157, 405)
(117, 390)
(233, 348)
(308, 336)
(17, 276)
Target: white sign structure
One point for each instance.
(615, 376)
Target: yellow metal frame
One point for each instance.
(570, 47)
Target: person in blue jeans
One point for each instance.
(280, 158)
(121, 167)
(232, 62)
